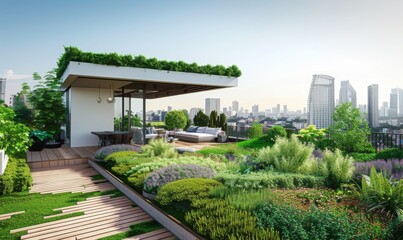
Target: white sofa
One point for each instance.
(138, 134)
(201, 134)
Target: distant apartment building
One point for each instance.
(396, 103)
(347, 93)
(384, 109)
(373, 109)
(321, 101)
(235, 106)
(193, 112)
(255, 110)
(212, 104)
(267, 112)
(278, 109)
(169, 108)
(285, 109)
(3, 89)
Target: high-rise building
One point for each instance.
(347, 93)
(235, 106)
(321, 101)
(169, 108)
(396, 103)
(373, 109)
(193, 112)
(255, 110)
(267, 112)
(278, 109)
(3, 89)
(383, 111)
(285, 109)
(212, 104)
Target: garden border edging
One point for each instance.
(176, 228)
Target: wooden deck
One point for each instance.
(104, 215)
(63, 156)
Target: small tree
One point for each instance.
(255, 131)
(275, 132)
(213, 119)
(311, 135)
(349, 130)
(188, 120)
(201, 119)
(175, 119)
(23, 114)
(222, 122)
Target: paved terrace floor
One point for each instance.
(103, 216)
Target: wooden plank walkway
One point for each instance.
(75, 178)
(9, 215)
(104, 215)
(160, 234)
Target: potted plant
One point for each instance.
(39, 139)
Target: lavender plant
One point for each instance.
(165, 175)
(390, 168)
(103, 152)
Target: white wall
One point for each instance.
(86, 115)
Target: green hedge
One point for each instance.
(257, 180)
(16, 178)
(74, 54)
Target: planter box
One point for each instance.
(37, 145)
(3, 161)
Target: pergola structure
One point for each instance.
(83, 83)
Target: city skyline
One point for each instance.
(279, 46)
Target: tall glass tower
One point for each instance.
(3, 89)
(347, 93)
(321, 101)
(212, 104)
(373, 109)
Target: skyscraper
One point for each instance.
(396, 102)
(3, 89)
(321, 101)
(193, 112)
(347, 93)
(373, 109)
(169, 108)
(383, 111)
(278, 109)
(212, 104)
(255, 110)
(285, 109)
(235, 106)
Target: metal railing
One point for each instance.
(382, 141)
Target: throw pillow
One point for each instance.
(201, 129)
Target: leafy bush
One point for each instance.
(121, 157)
(16, 178)
(255, 131)
(13, 136)
(313, 224)
(311, 135)
(258, 180)
(363, 157)
(136, 180)
(159, 148)
(74, 54)
(255, 143)
(213, 119)
(276, 132)
(123, 167)
(286, 155)
(175, 119)
(163, 162)
(165, 175)
(390, 168)
(390, 153)
(340, 169)
(379, 194)
(215, 219)
(201, 119)
(395, 229)
(185, 190)
(103, 152)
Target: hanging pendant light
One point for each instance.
(99, 100)
(111, 99)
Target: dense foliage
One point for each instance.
(159, 148)
(349, 130)
(171, 173)
(391, 169)
(213, 119)
(74, 54)
(340, 169)
(121, 157)
(201, 119)
(311, 135)
(103, 152)
(13, 136)
(222, 122)
(134, 119)
(175, 119)
(23, 114)
(276, 132)
(255, 131)
(16, 178)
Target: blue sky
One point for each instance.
(278, 45)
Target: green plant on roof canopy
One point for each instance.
(74, 54)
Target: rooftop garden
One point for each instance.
(113, 59)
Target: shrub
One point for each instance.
(16, 178)
(121, 157)
(286, 155)
(276, 132)
(256, 143)
(255, 131)
(390, 168)
(363, 157)
(201, 119)
(340, 169)
(159, 148)
(122, 168)
(379, 194)
(165, 175)
(390, 153)
(103, 152)
(136, 180)
(185, 190)
(313, 224)
(258, 180)
(311, 135)
(395, 229)
(175, 119)
(163, 162)
(215, 219)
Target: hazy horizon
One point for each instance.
(278, 45)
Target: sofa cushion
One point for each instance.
(192, 129)
(201, 129)
(150, 130)
(212, 131)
